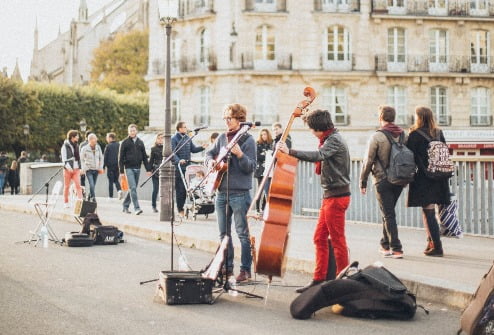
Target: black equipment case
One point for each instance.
(178, 288)
(105, 234)
(76, 239)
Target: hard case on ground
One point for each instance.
(178, 288)
(104, 234)
(76, 239)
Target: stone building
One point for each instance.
(67, 59)
(356, 54)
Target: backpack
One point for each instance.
(373, 292)
(439, 165)
(478, 317)
(401, 168)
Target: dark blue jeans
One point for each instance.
(387, 195)
(113, 175)
(180, 191)
(92, 177)
(238, 204)
(156, 186)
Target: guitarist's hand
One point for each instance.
(237, 151)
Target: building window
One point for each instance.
(438, 50)
(265, 100)
(439, 105)
(335, 5)
(265, 48)
(479, 51)
(204, 106)
(480, 107)
(175, 105)
(479, 7)
(397, 99)
(265, 5)
(204, 45)
(337, 49)
(396, 50)
(175, 53)
(438, 7)
(334, 98)
(397, 6)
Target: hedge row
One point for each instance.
(51, 110)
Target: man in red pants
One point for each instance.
(333, 165)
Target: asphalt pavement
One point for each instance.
(450, 280)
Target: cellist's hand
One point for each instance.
(281, 146)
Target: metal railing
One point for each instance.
(473, 185)
(427, 63)
(352, 6)
(454, 8)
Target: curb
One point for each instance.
(437, 292)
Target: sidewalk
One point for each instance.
(449, 280)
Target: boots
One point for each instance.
(436, 250)
(430, 245)
(433, 229)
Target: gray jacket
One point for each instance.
(335, 163)
(91, 160)
(378, 146)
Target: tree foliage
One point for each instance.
(120, 63)
(51, 110)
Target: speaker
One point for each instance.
(84, 207)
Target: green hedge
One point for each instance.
(51, 110)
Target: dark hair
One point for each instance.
(179, 125)
(387, 113)
(239, 112)
(319, 120)
(87, 133)
(71, 134)
(112, 136)
(425, 119)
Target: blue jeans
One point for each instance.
(238, 204)
(133, 179)
(156, 186)
(2, 181)
(92, 177)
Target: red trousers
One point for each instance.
(331, 224)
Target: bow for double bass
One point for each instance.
(271, 258)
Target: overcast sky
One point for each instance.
(17, 22)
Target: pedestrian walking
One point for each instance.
(234, 189)
(182, 160)
(110, 162)
(424, 191)
(333, 165)
(131, 156)
(13, 178)
(376, 160)
(154, 162)
(4, 169)
(82, 145)
(71, 165)
(264, 148)
(92, 164)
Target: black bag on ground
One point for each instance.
(372, 293)
(76, 239)
(90, 219)
(105, 234)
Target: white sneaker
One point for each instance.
(120, 195)
(66, 205)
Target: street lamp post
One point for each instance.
(168, 13)
(83, 126)
(26, 130)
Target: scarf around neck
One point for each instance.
(231, 134)
(322, 139)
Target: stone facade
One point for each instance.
(67, 59)
(356, 54)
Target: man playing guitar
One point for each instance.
(234, 187)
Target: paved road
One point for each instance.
(61, 290)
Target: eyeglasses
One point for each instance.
(228, 118)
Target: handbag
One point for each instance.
(449, 223)
(124, 183)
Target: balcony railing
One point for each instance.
(342, 62)
(481, 120)
(281, 62)
(424, 63)
(335, 6)
(427, 7)
(444, 120)
(276, 6)
(190, 8)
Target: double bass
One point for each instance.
(271, 258)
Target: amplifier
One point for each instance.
(179, 288)
(84, 207)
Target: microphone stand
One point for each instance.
(172, 218)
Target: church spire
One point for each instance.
(16, 74)
(83, 11)
(36, 36)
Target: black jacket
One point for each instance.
(111, 155)
(156, 158)
(131, 155)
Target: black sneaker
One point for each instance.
(126, 210)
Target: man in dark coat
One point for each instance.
(111, 164)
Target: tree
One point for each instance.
(120, 63)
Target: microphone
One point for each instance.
(201, 127)
(251, 124)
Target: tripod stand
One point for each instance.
(45, 209)
(180, 145)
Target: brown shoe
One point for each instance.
(243, 276)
